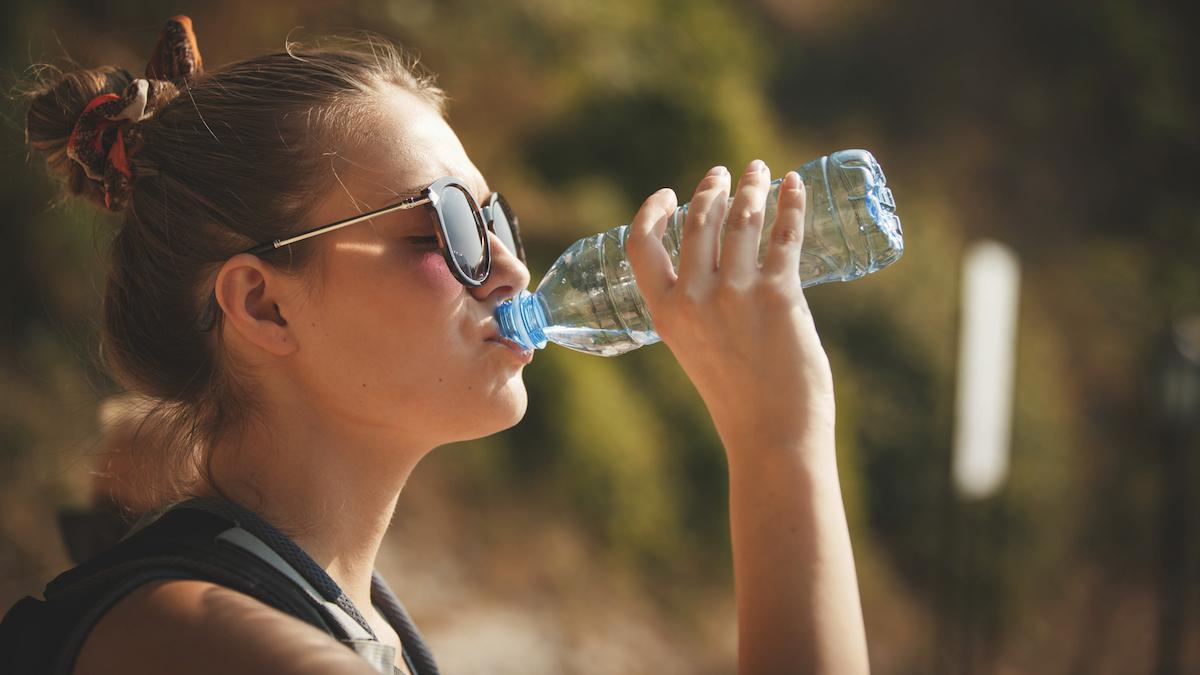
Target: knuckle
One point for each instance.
(773, 298)
(733, 290)
(785, 236)
(698, 219)
(742, 217)
(706, 216)
(691, 302)
(774, 290)
(784, 278)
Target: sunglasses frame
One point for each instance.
(432, 197)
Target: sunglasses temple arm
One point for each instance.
(407, 204)
(207, 318)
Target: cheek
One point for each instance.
(431, 269)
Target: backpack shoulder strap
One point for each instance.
(194, 540)
(45, 636)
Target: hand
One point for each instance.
(745, 337)
(742, 333)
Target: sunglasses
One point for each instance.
(462, 227)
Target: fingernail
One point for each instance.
(718, 171)
(756, 166)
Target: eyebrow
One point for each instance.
(418, 189)
(408, 191)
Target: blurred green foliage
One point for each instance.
(1067, 130)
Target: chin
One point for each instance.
(505, 408)
(510, 404)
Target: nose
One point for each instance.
(509, 275)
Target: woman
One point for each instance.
(303, 383)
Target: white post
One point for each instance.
(986, 363)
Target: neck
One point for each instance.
(332, 490)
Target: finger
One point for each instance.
(648, 258)
(787, 237)
(739, 250)
(702, 227)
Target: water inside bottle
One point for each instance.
(602, 341)
(589, 301)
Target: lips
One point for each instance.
(525, 355)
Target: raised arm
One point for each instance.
(746, 339)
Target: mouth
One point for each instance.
(525, 355)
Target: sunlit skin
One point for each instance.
(390, 359)
(385, 361)
(745, 336)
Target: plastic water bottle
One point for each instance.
(589, 301)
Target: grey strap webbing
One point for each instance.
(415, 653)
(381, 657)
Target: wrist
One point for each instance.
(812, 445)
(776, 428)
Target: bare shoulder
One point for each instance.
(186, 626)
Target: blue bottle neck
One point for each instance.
(522, 320)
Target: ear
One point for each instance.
(257, 301)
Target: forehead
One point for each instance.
(412, 147)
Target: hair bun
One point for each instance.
(105, 137)
(88, 123)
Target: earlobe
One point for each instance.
(250, 295)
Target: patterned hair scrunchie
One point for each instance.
(106, 135)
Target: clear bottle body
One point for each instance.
(589, 301)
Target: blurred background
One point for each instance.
(593, 537)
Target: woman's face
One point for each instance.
(391, 339)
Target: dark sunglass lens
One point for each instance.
(504, 229)
(463, 231)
